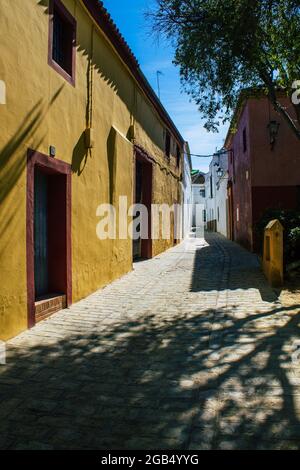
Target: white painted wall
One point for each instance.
(186, 187)
(198, 205)
(222, 206)
(210, 200)
(216, 194)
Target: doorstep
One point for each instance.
(48, 305)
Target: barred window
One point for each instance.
(62, 40)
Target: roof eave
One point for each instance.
(107, 25)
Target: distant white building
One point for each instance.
(216, 200)
(199, 193)
(186, 187)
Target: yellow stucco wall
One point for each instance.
(43, 109)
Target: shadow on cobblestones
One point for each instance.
(224, 265)
(162, 359)
(156, 384)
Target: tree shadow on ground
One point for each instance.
(155, 384)
(241, 271)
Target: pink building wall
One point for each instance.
(240, 175)
(262, 178)
(280, 166)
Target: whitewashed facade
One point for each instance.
(216, 201)
(186, 187)
(198, 213)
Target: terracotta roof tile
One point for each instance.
(106, 23)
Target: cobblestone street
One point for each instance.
(192, 350)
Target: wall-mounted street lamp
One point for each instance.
(220, 172)
(273, 127)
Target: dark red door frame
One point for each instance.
(53, 167)
(147, 195)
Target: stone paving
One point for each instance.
(192, 350)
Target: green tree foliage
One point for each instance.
(225, 46)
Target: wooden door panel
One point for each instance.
(40, 234)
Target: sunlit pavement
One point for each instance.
(192, 350)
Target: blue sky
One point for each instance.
(156, 55)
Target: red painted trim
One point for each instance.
(50, 166)
(69, 237)
(230, 210)
(30, 241)
(51, 62)
(49, 163)
(147, 161)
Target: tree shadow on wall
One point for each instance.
(109, 73)
(12, 166)
(153, 384)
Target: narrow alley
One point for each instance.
(192, 350)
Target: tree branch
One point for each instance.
(277, 105)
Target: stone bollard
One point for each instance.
(273, 253)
